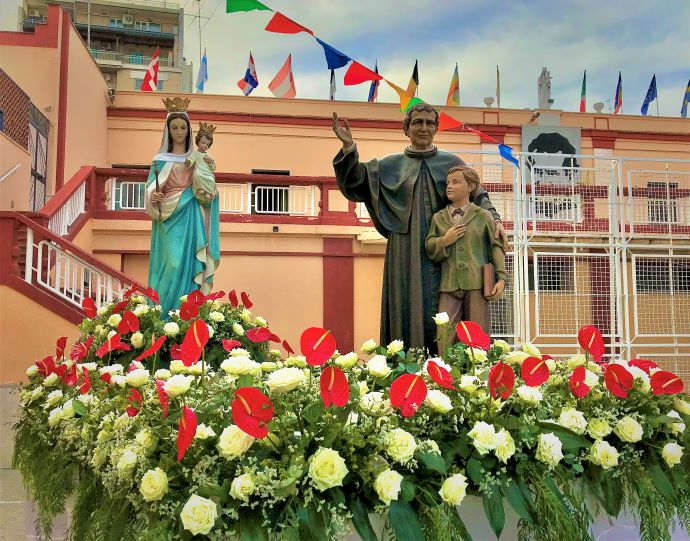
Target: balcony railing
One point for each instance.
(140, 60)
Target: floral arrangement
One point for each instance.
(191, 426)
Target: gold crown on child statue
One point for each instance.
(176, 104)
(206, 128)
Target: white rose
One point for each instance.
(126, 463)
(260, 322)
(603, 454)
(549, 449)
(516, 357)
(454, 489)
(240, 366)
(242, 487)
(374, 404)
(199, 515)
(672, 453)
(676, 428)
(573, 419)
(628, 429)
(114, 320)
(238, 329)
(477, 355)
(137, 377)
(531, 350)
(119, 380)
(211, 331)
(378, 366)
(36, 393)
(178, 385)
(51, 380)
(32, 371)
(68, 410)
(177, 367)
(171, 328)
(111, 369)
(154, 485)
(102, 310)
(197, 369)
(140, 310)
(233, 442)
(347, 361)
(575, 361)
(529, 395)
(400, 445)
(54, 417)
(469, 384)
(441, 319)
(300, 361)
(285, 379)
(387, 485)
(505, 446)
(438, 401)
(204, 432)
(146, 438)
(395, 347)
(483, 437)
(268, 366)
(90, 367)
(369, 346)
(681, 405)
(591, 379)
(137, 339)
(598, 428)
(162, 374)
(502, 345)
(327, 469)
(122, 422)
(216, 316)
(245, 315)
(54, 397)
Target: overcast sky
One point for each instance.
(567, 36)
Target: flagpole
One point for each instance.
(199, 21)
(657, 103)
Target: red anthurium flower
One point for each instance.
(130, 291)
(135, 402)
(577, 382)
(152, 294)
(317, 345)
(194, 342)
(664, 382)
(80, 350)
(274, 338)
(162, 396)
(84, 388)
(259, 334)
(196, 297)
(120, 306)
(232, 297)
(408, 392)
(155, 347)
(229, 345)
(61, 370)
(440, 375)
(472, 335)
(70, 376)
(114, 343)
(215, 296)
(334, 387)
(591, 341)
(501, 380)
(128, 323)
(245, 300)
(186, 431)
(618, 380)
(252, 411)
(46, 366)
(106, 377)
(534, 371)
(189, 310)
(643, 364)
(60, 346)
(287, 347)
(89, 307)
(176, 352)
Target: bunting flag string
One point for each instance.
(280, 24)
(334, 58)
(357, 74)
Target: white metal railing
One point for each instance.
(69, 212)
(116, 56)
(49, 266)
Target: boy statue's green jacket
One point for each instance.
(462, 262)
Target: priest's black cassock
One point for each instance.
(401, 193)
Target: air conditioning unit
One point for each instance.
(34, 13)
(128, 19)
(107, 45)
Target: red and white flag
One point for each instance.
(150, 83)
(283, 84)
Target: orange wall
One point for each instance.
(14, 190)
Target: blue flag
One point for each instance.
(374, 88)
(334, 58)
(203, 74)
(650, 97)
(686, 99)
(507, 153)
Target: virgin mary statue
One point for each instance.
(184, 235)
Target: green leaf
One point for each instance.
(407, 491)
(661, 482)
(493, 507)
(120, 520)
(245, 381)
(413, 368)
(313, 412)
(459, 525)
(309, 523)
(509, 423)
(474, 470)
(570, 439)
(520, 500)
(433, 462)
(404, 521)
(79, 408)
(657, 420)
(613, 495)
(251, 529)
(679, 479)
(360, 520)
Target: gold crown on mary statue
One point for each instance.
(207, 129)
(176, 104)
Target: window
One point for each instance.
(135, 57)
(661, 206)
(115, 23)
(139, 82)
(154, 27)
(270, 199)
(139, 25)
(553, 273)
(653, 275)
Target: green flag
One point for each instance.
(233, 6)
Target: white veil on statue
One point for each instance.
(163, 154)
